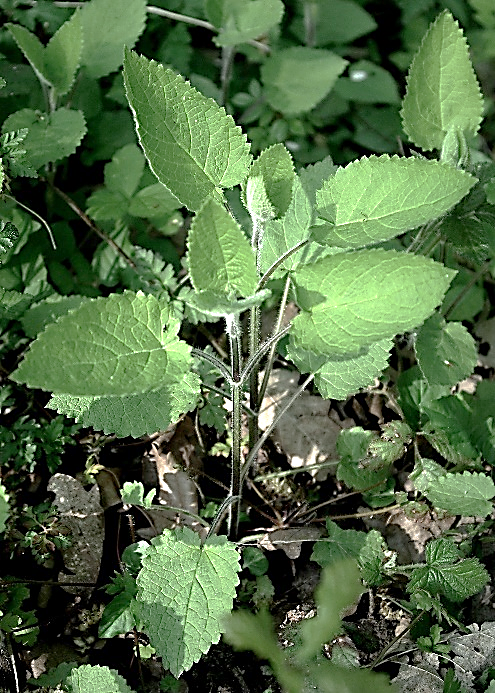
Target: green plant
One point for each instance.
(349, 244)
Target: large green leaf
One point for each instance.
(442, 94)
(192, 145)
(51, 136)
(185, 588)
(338, 378)
(351, 300)
(108, 26)
(88, 679)
(446, 352)
(242, 20)
(108, 346)
(376, 198)
(297, 78)
(219, 256)
(467, 494)
(57, 63)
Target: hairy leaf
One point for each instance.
(446, 352)
(267, 192)
(467, 494)
(219, 255)
(193, 147)
(107, 29)
(376, 198)
(442, 90)
(96, 679)
(108, 346)
(184, 589)
(351, 300)
(297, 78)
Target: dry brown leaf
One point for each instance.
(306, 433)
(82, 513)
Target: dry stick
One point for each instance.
(99, 232)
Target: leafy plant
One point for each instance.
(357, 247)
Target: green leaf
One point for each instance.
(298, 78)
(124, 171)
(39, 315)
(57, 64)
(340, 544)
(133, 494)
(185, 588)
(107, 29)
(51, 137)
(338, 21)
(142, 414)
(351, 300)
(447, 573)
(153, 201)
(4, 507)
(339, 587)
(254, 560)
(193, 147)
(9, 235)
(242, 20)
(96, 679)
(219, 256)
(357, 468)
(451, 416)
(118, 616)
(267, 192)
(215, 305)
(443, 93)
(467, 494)
(340, 377)
(108, 346)
(446, 352)
(376, 198)
(368, 83)
(372, 558)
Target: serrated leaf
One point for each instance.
(340, 544)
(133, 494)
(340, 377)
(372, 558)
(193, 147)
(219, 256)
(185, 588)
(351, 300)
(96, 679)
(443, 93)
(466, 494)
(377, 198)
(108, 346)
(267, 192)
(108, 26)
(118, 616)
(242, 20)
(51, 137)
(446, 573)
(137, 415)
(296, 79)
(446, 352)
(57, 63)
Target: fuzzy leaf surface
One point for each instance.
(377, 198)
(442, 93)
(467, 494)
(108, 346)
(57, 63)
(447, 573)
(267, 191)
(51, 136)
(220, 258)
(339, 377)
(297, 78)
(242, 20)
(351, 300)
(218, 306)
(446, 352)
(185, 588)
(193, 147)
(96, 679)
(107, 29)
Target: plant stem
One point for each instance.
(236, 388)
(264, 279)
(219, 365)
(260, 442)
(276, 330)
